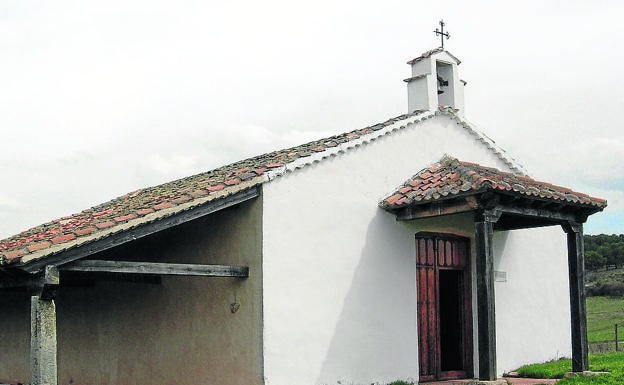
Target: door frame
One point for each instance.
(430, 260)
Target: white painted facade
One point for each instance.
(339, 290)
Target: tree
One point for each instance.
(594, 260)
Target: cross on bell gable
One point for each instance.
(442, 34)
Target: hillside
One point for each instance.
(605, 282)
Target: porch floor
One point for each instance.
(510, 380)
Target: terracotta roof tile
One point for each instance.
(451, 177)
(39, 246)
(103, 225)
(124, 218)
(86, 230)
(216, 187)
(63, 238)
(10, 255)
(144, 211)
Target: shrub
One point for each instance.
(615, 289)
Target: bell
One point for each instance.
(441, 83)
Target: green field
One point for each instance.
(602, 314)
(613, 363)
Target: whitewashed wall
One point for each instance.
(532, 307)
(339, 273)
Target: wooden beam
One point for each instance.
(485, 294)
(434, 210)
(122, 267)
(537, 213)
(576, 274)
(141, 231)
(43, 362)
(44, 285)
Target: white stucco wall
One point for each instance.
(421, 94)
(532, 307)
(339, 273)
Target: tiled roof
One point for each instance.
(450, 178)
(154, 203)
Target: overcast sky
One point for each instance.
(98, 98)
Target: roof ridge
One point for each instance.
(471, 176)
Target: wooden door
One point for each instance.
(444, 307)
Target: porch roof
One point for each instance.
(452, 186)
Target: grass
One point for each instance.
(613, 363)
(602, 314)
(551, 369)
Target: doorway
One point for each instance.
(444, 307)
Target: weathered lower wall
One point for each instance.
(181, 331)
(14, 335)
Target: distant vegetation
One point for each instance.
(604, 251)
(604, 262)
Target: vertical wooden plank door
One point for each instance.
(444, 307)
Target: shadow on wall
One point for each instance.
(375, 337)
(498, 245)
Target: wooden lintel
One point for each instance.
(123, 267)
(538, 213)
(472, 201)
(434, 210)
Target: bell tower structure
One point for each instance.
(435, 82)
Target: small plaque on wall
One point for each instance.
(500, 276)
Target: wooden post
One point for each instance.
(617, 348)
(43, 369)
(576, 273)
(486, 314)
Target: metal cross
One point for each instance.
(442, 33)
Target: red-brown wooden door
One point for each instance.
(444, 307)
